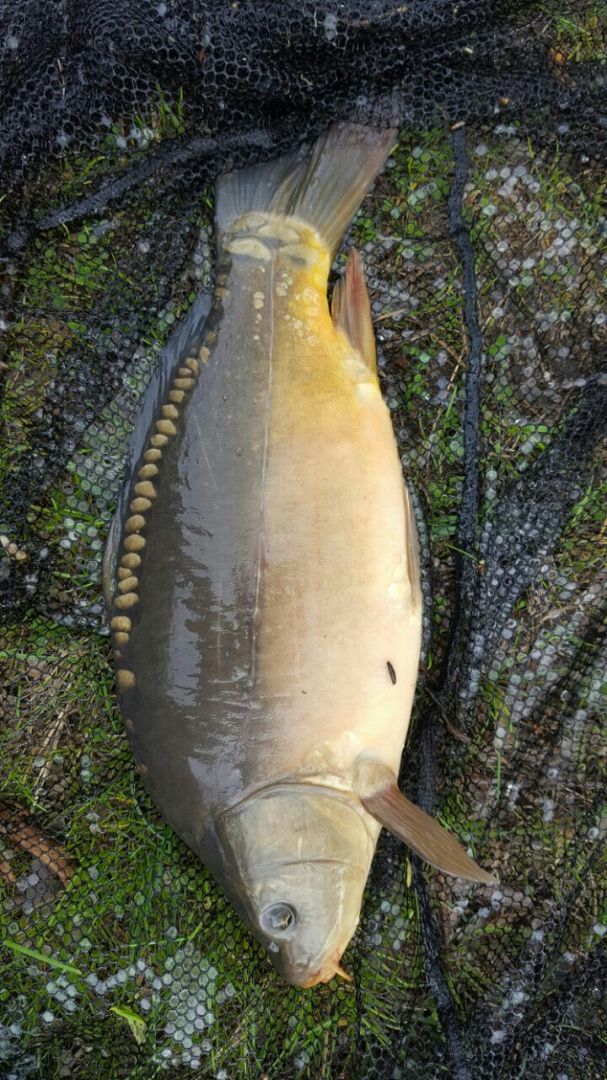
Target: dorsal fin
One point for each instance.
(351, 310)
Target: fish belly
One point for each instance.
(339, 623)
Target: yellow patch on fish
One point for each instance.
(369, 391)
(250, 247)
(166, 427)
(278, 229)
(397, 591)
(147, 471)
(128, 584)
(134, 523)
(125, 679)
(130, 561)
(127, 601)
(140, 506)
(134, 542)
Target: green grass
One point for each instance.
(73, 274)
(579, 30)
(166, 118)
(436, 325)
(512, 438)
(584, 547)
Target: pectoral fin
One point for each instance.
(423, 834)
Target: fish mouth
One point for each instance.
(328, 971)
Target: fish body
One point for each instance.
(265, 594)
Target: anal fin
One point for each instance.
(351, 310)
(423, 834)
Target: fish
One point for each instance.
(262, 570)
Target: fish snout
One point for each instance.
(327, 971)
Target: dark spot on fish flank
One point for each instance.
(391, 672)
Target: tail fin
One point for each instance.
(324, 185)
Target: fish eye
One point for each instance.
(278, 919)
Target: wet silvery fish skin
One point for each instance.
(263, 574)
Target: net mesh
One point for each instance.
(486, 261)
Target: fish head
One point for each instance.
(296, 861)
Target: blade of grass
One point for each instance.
(136, 1022)
(33, 954)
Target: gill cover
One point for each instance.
(296, 859)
